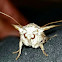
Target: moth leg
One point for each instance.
(52, 36)
(16, 52)
(20, 47)
(47, 38)
(18, 55)
(42, 48)
(44, 53)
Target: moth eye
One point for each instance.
(33, 36)
(25, 35)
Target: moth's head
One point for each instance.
(32, 35)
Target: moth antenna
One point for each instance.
(52, 23)
(9, 17)
(49, 27)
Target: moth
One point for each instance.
(32, 35)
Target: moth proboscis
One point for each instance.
(32, 34)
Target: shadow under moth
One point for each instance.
(32, 34)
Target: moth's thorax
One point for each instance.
(31, 35)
